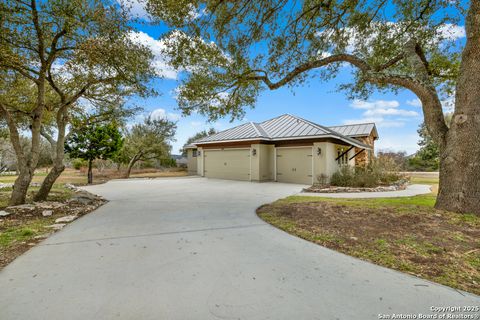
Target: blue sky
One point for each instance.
(397, 116)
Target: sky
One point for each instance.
(397, 116)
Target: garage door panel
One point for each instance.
(231, 164)
(294, 165)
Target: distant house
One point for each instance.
(284, 149)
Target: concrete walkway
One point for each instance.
(411, 190)
(194, 249)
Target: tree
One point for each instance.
(388, 45)
(198, 135)
(148, 140)
(399, 158)
(97, 141)
(53, 55)
(428, 157)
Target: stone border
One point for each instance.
(401, 185)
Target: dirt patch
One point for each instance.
(440, 246)
(29, 224)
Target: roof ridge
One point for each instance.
(285, 114)
(257, 128)
(351, 124)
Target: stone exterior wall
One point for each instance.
(365, 157)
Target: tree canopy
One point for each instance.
(196, 136)
(148, 140)
(58, 55)
(233, 50)
(94, 141)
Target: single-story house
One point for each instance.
(284, 149)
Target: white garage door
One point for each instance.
(294, 165)
(233, 164)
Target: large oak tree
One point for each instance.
(388, 45)
(65, 51)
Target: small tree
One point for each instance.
(148, 140)
(98, 141)
(198, 135)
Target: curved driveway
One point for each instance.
(193, 248)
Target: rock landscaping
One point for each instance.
(23, 226)
(400, 185)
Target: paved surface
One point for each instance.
(192, 248)
(411, 190)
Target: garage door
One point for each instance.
(231, 164)
(294, 165)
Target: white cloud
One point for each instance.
(385, 113)
(415, 102)
(162, 114)
(135, 8)
(452, 31)
(164, 69)
(390, 112)
(361, 104)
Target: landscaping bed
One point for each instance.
(400, 185)
(406, 234)
(22, 227)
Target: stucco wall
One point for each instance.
(200, 161)
(191, 162)
(262, 165)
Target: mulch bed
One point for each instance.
(440, 246)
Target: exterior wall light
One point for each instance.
(319, 151)
(199, 153)
(254, 152)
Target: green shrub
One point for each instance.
(78, 164)
(380, 171)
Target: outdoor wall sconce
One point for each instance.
(254, 152)
(199, 153)
(319, 151)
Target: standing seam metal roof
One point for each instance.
(288, 126)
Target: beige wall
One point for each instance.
(191, 162)
(262, 165)
(200, 161)
(324, 163)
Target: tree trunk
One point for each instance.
(90, 173)
(130, 166)
(48, 182)
(460, 156)
(20, 187)
(58, 153)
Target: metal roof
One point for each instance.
(356, 130)
(283, 127)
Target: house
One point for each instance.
(284, 149)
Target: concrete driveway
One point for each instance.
(193, 248)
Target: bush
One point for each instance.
(78, 164)
(381, 171)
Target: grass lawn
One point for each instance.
(406, 234)
(19, 232)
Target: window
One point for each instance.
(194, 152)
(343, 160)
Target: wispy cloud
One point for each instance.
(415, 102)
(160, 63)
(163, 114)
(385, 113)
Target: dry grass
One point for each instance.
(79, 177)
(406, 234)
